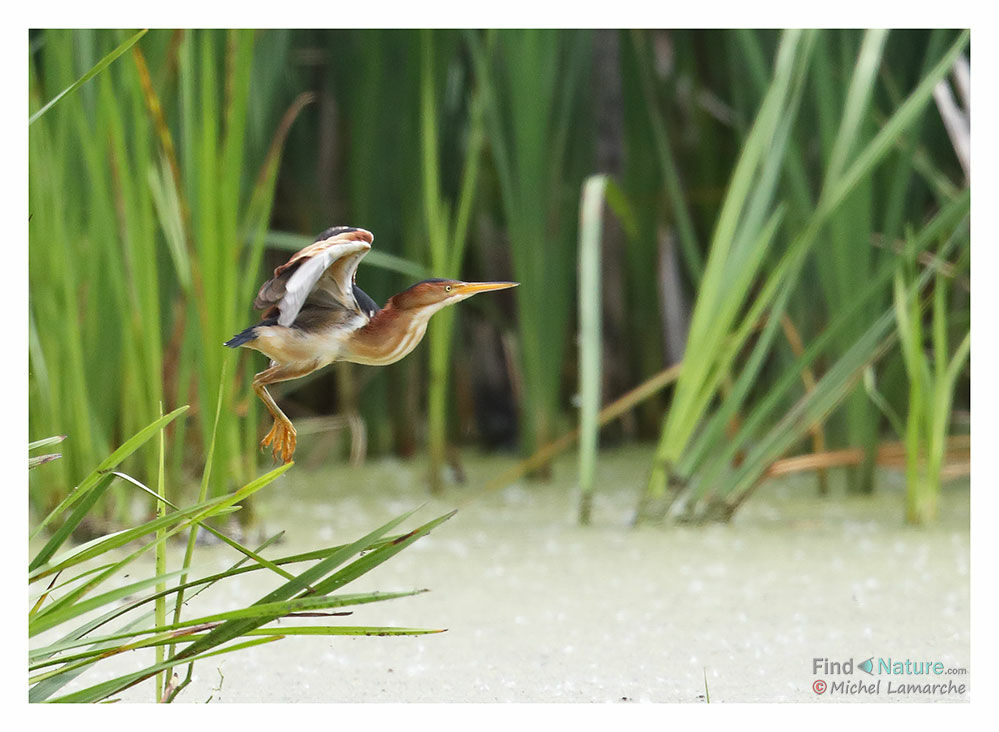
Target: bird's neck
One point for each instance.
(391, 334)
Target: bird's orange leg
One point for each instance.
(282, 435)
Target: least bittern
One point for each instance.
(315, 314)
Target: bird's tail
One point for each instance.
(242, 337)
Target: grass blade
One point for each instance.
(109, 463)
(94, 71)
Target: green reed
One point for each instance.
(720, 295)
(932, 375)
(70, 585)
(447, 222)
(152, 257)
(532, 82)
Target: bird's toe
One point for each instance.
(290, 442)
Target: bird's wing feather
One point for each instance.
(368, 306)
(321, 274)
(300, 284)
(335, 285)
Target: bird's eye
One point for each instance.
(447, 288)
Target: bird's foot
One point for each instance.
(283, 438)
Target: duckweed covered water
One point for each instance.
(538, 609)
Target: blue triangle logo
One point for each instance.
(867, 666)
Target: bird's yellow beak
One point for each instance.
(472, 288)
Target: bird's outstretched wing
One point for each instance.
(321, 274)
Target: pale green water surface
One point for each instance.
(539, 609)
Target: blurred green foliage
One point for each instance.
(768, 174)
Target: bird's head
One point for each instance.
(432, 295)
(396, 329)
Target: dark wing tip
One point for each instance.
(333, 231)
(338, 230)
(364, 301)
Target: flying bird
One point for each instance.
(314, 314)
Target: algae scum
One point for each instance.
(539, 609)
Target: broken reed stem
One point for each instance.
(808, 379)
(612, 411)
(890, 454)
